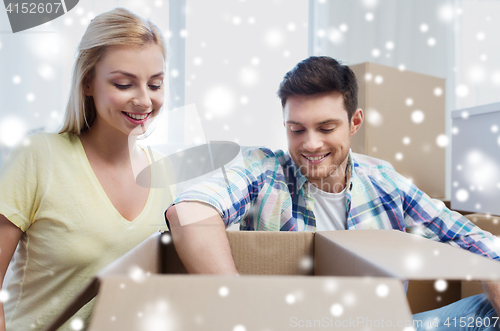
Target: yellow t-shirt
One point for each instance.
(71, 229)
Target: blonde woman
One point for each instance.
(70, 200)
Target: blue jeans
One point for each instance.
(472, 313)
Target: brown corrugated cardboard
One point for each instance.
(130, 284)
(383, 92)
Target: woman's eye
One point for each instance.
(122, 87)
(155, 87)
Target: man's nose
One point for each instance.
(313, 142)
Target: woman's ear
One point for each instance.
(87, 90)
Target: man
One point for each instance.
(319, 184)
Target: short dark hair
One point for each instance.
(319, 74)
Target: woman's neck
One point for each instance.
(110, 146)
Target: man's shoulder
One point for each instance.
(369, 163)
(267, 156)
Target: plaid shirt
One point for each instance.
(267, 193)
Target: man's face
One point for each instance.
(319, 135)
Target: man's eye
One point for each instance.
(154, 87)
(327, 130)
(296, 131)
(122, 87)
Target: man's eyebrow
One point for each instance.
(320, 123)
(132, 75)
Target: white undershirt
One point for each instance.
(329, 209)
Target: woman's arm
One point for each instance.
(9, 238)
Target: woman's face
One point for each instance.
(127, 89)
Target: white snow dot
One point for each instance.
(413, 262)
(368, 76)
(409, 328)
(30, 97)
(483, 57)
(462, 195)
(16, 79)
(244, 100)
(158, 3)
(374, 117)
(76, 324)
(306, 263)
(197, 61)
(382, 290)
(12, 131)
(431, 41)
(409, 102)
(251, 20)
(464, 115)
(223, 291)
(290, 299)
(369, 17)
(417, 116)
(166, 238)
(480, 36)
(274, 38)
(440, 285)
(424, 27)
(4, 296)
(291, 27)
(498, 141)
(376, 52)
(402, 67)
(286, 53)
(438, 91)
(389, 45)
(239, 327)
(337, 310)
(321, 33)
(406, 140)
(236, 20)
(137, 274)
(436, 252)
(219, 100)
(183, 33)
(335, 36)
(174, 73)
(343, 27)
(255, 61)
(331, 285)
(113, 318)
(349, 299)
(249, 76)
(455, 130)
(494, 128)
(379, 80)
(399, 156)
(477, 74)
(442, 140)
(447, 13)
(478, 205)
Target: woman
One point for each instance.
(70, 200)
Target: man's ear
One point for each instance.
(356, 121)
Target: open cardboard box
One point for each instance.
(363, 287)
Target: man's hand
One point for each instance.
(200, 239)
(492, 291)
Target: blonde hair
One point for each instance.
(117, 27)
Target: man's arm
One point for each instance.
(200, 239)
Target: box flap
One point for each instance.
(400, 255)
(170, 302)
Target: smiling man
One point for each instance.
(318, 184)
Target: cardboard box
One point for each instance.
(383, 95)
(369, 267)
